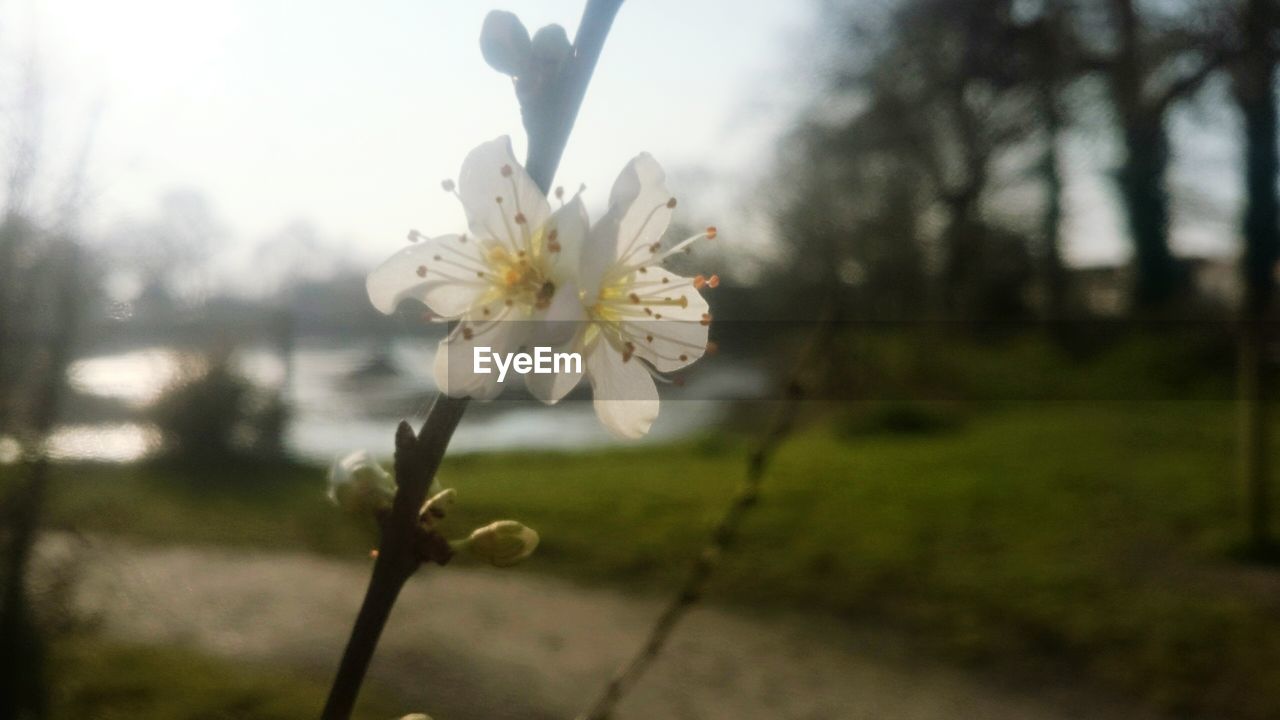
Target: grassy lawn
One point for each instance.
(1091, 536)
(110, 681)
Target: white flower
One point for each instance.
(503, 543)
(643, 318)
(359, 485)
(509, 281)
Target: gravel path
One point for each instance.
(474, 643)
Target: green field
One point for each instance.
(1093, 538)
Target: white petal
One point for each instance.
(674, 336)
(482, 182)
(626, 400)
(448, 288)
(551, 388)
(571, 225)
(638, 215)
(455, 358)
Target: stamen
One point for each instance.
(448, 185)
(671, 204)
(706, 318)
(422, 269)
(506, 171)
(414, 236)
(712, 232)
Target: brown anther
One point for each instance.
(506, 171)
(684, 358)
(553, 246)
(510, 302)
(706, 318)
(630, 346)
(414, 236)
(666, 280)
(373, 554)
(559, 192)
(684, 301)
(498, 199)
(626, 355)
(648, 338)
(648, 311)
(634, 298)
(462, 238)
(479, 273)
(699, 281)
(467, 333)
(519, 253)
(448, 185)
(712, 347)
(437, 258)
(422, 271)
(671, 203)
(485, 311)
(657, 316)
(711, 232)
(520, 218)
(643, 270)
(679, 381)
(713, 281)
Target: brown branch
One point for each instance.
(418, 457)
(693, 588)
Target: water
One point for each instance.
(338, 409)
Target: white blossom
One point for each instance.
(509, 281)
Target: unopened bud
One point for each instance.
(360, 486)
(505, 43)
(551, 45)
(503, 543)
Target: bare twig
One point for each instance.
(726, 531)
(549, 119)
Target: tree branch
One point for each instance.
(418, 457)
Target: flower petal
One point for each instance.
(440, 272)
(490, 172)
(455, 373)
(675, 335)
(640, 210)
(570, 225)
(626, 400)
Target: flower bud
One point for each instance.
(505, 43)
(551, 46)
(503, 543)
(360, 486)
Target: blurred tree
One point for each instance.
(895, 165)
(1253, 73)
(1150, 63)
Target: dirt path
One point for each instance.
(467, 643)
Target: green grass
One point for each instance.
(109, 681)
(1093, 537)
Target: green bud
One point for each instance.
(505, 43)
(360, 486)
(503, 543)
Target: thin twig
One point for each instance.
(418, 456)
(726, 531)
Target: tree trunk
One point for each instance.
(1255, 92)
(1142, 178)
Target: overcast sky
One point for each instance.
(348, 114)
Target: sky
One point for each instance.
(347, 115)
